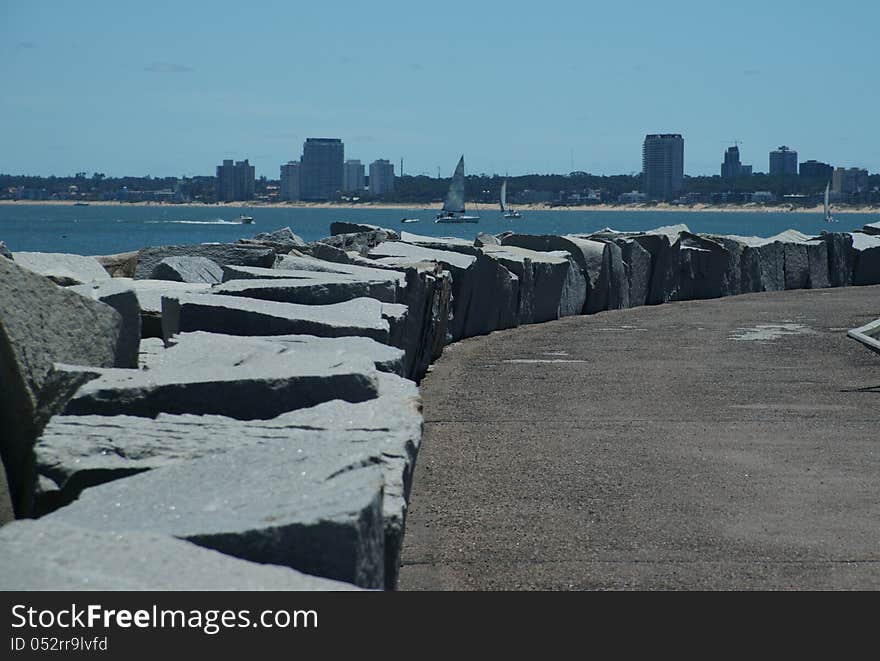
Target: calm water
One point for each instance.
(101, 230)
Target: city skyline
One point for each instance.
(106, 87)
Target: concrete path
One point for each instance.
(724, 444)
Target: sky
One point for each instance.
(166, 88)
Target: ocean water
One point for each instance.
(102, 230)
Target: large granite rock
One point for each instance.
(840, 258)
(344, 227)
(236, 315)
(243, 378)
(79, 452)
(365, 269)
(551, 285)
(221, 253)
(485, 295)
(315, 511)
(42, 323)
(63, 269)
(871, 228)
(866, 259)
(5, 251)
(43, 555)
(359, 242)
(187, 268)
(311, 288)
(484, 239)
(120, 265)
(600, 262)
(149, 295)
(120, 296)
(282, 240)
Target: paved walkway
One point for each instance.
(724, 444)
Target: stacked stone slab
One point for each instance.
(40, 324)
(318, 512)
(119, 295)
(866, 259)
(237, 315)
(79, 452)
(220, 253)
(203, 373)
(62, 268)
(50, 555)
(600, 262)
(188, 268)
(485, 295)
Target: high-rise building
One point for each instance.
(662, 165)
(290, 181)
(846, 181)
(732, 167)
(321, 169)
(816, 170)
(235, 181)
(353, 177)
(783, 161)
(226, 181)
(381, 177)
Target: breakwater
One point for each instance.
(254, 404)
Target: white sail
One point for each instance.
(827, 207)
(455, 197)
(504, 196)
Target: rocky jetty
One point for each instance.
(251, 410)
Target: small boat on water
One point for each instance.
(453, 208)
(506, 211)
(409, 220)
(80, 204)
(828, 217)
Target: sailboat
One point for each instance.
(506, 211)
(828, 217)
(453, 207)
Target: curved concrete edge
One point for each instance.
(869, 335)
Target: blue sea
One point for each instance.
(103, 229)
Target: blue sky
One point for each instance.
(172, 88)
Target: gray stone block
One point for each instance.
(283, 239)
(367, 270)
(314, 289)
(236, 315)
(80, 452)
(42, 323)
(840, 258)
(316, 512)
(120, 265)
(187, 268)
(550, 283)
(866, 259)
(344, 227)
(359, 242)
(61, 268)
(871, 228)
(119, 295)
(49, 555)
(484, 239)
(221, 253)
(600, 264)
(244, 378)
(485, 295)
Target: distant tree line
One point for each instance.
(572, 188)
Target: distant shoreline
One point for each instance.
(659, 207)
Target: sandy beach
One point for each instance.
(655, 207)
